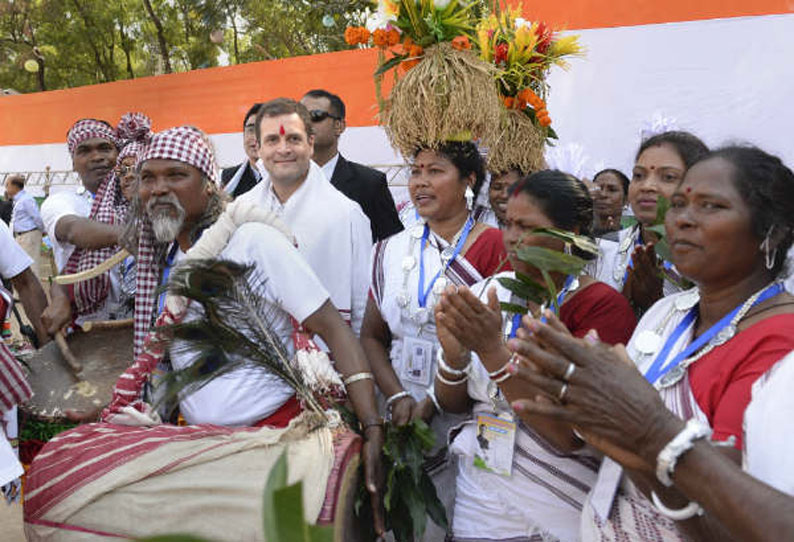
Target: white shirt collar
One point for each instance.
(330, 166)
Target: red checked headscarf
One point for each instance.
(189, 145)
(109, 208)
(134, 131)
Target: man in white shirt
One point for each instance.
(332, 231)
(364, 185)
(84, 226)
(180, 204)
(26, 221)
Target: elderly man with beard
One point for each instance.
(181, 209)
(84, 226)
(333, 232)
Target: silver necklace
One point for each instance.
(421, 315)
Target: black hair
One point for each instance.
(767, 187)
(251, 112)
(624, 181)
(466, 158)
(283, 106)
(688, 146)
(564, 199)
(337, 105)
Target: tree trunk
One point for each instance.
(160, 36)
(126, 47)
(40, 74)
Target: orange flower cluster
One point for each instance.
(355, 35)
(385, 38)
(413, 51)
(528, 98)
(461, 43)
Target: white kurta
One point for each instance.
(333, 234)
(246, 395)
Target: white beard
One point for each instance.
(165, 226)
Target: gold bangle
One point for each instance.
(358, 376)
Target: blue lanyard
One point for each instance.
(657, 371)
(560, 299)
(169, 263)
(424, 292)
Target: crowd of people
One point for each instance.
(547, 427)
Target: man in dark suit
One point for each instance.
(362, 184)
(243, 177)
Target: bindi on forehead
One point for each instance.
(281, 130)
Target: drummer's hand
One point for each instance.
(57, 314)
(371, 455)
(81, 416)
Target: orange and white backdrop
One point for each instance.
(720, 68)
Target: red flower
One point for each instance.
(544, 34)
(500, 53)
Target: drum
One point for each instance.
(203, 480)
(103, 353)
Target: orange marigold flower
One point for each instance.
(393, 37)
(416, 51)
(364, 36)
(461, 43)
(356, 34)
(351, 35)
(544, 121)
(509, 101)
(380, 38)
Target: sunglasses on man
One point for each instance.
(318, 115)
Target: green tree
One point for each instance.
(83, 42)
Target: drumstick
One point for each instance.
(114, 260)
(106, 324)
(66, 352)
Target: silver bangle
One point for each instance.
(688, 512)
(499, 374)
(683, 441)
(396, 397)
(357, 377)
(451, 382)
(442, 364)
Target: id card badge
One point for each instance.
(417, 361)
(496, 439)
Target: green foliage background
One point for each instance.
(84, 42)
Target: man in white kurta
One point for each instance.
(332, 231)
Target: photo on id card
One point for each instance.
(495, 439)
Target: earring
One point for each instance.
(469, 195)
(769, 258)
(567, 249)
